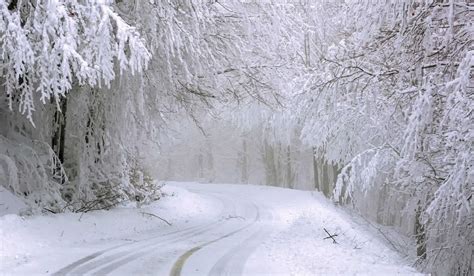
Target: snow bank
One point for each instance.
(10, 204)
(299, 246)
(29, 242)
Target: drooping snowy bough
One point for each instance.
(394, 107)
(380, 94)
(53, 124)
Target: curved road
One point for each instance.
(220, 247)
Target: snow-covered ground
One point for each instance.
(215, 229)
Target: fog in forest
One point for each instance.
(361, 110)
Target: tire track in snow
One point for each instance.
(67, 269)
(178, 265)
(119, 259)
(93, 261)
(130, 258)
(110, 267)
(233, 262)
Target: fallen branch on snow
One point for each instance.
(330, 236)
(155, 216)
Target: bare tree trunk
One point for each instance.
(326, 185)
(279, 172)
(317, 185)
(210, 163)
(289, 169)
(381, 205)
(59, 130)
(420, 234)
(59, 134)
(201, 164)
(269, 163)
(244, 177)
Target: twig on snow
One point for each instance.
(49, 210)
(153, 215)
(330, 236)
(80, 217)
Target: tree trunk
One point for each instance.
(316, 172)
(420, 234)
(244, 177)
(279, 171)
(210, 163)
(269, 163)
(325, 182)
(289, 169)
(59, 135)
(201, 164)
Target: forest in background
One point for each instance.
(369, 102)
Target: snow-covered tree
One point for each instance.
(381, 94)
(48, 46)
(378, 105)
(290, 93)
(55, 57)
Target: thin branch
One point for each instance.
(155, 216)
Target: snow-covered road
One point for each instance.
(216, 230)
(211, 247)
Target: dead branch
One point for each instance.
(155, 216)
(330, 236)
(49, 210)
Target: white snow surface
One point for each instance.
(10, 204)
(225, 229)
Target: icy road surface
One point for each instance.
(216, 229)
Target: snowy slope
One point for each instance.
(10, 204)
(216, 229)
(42, 244)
